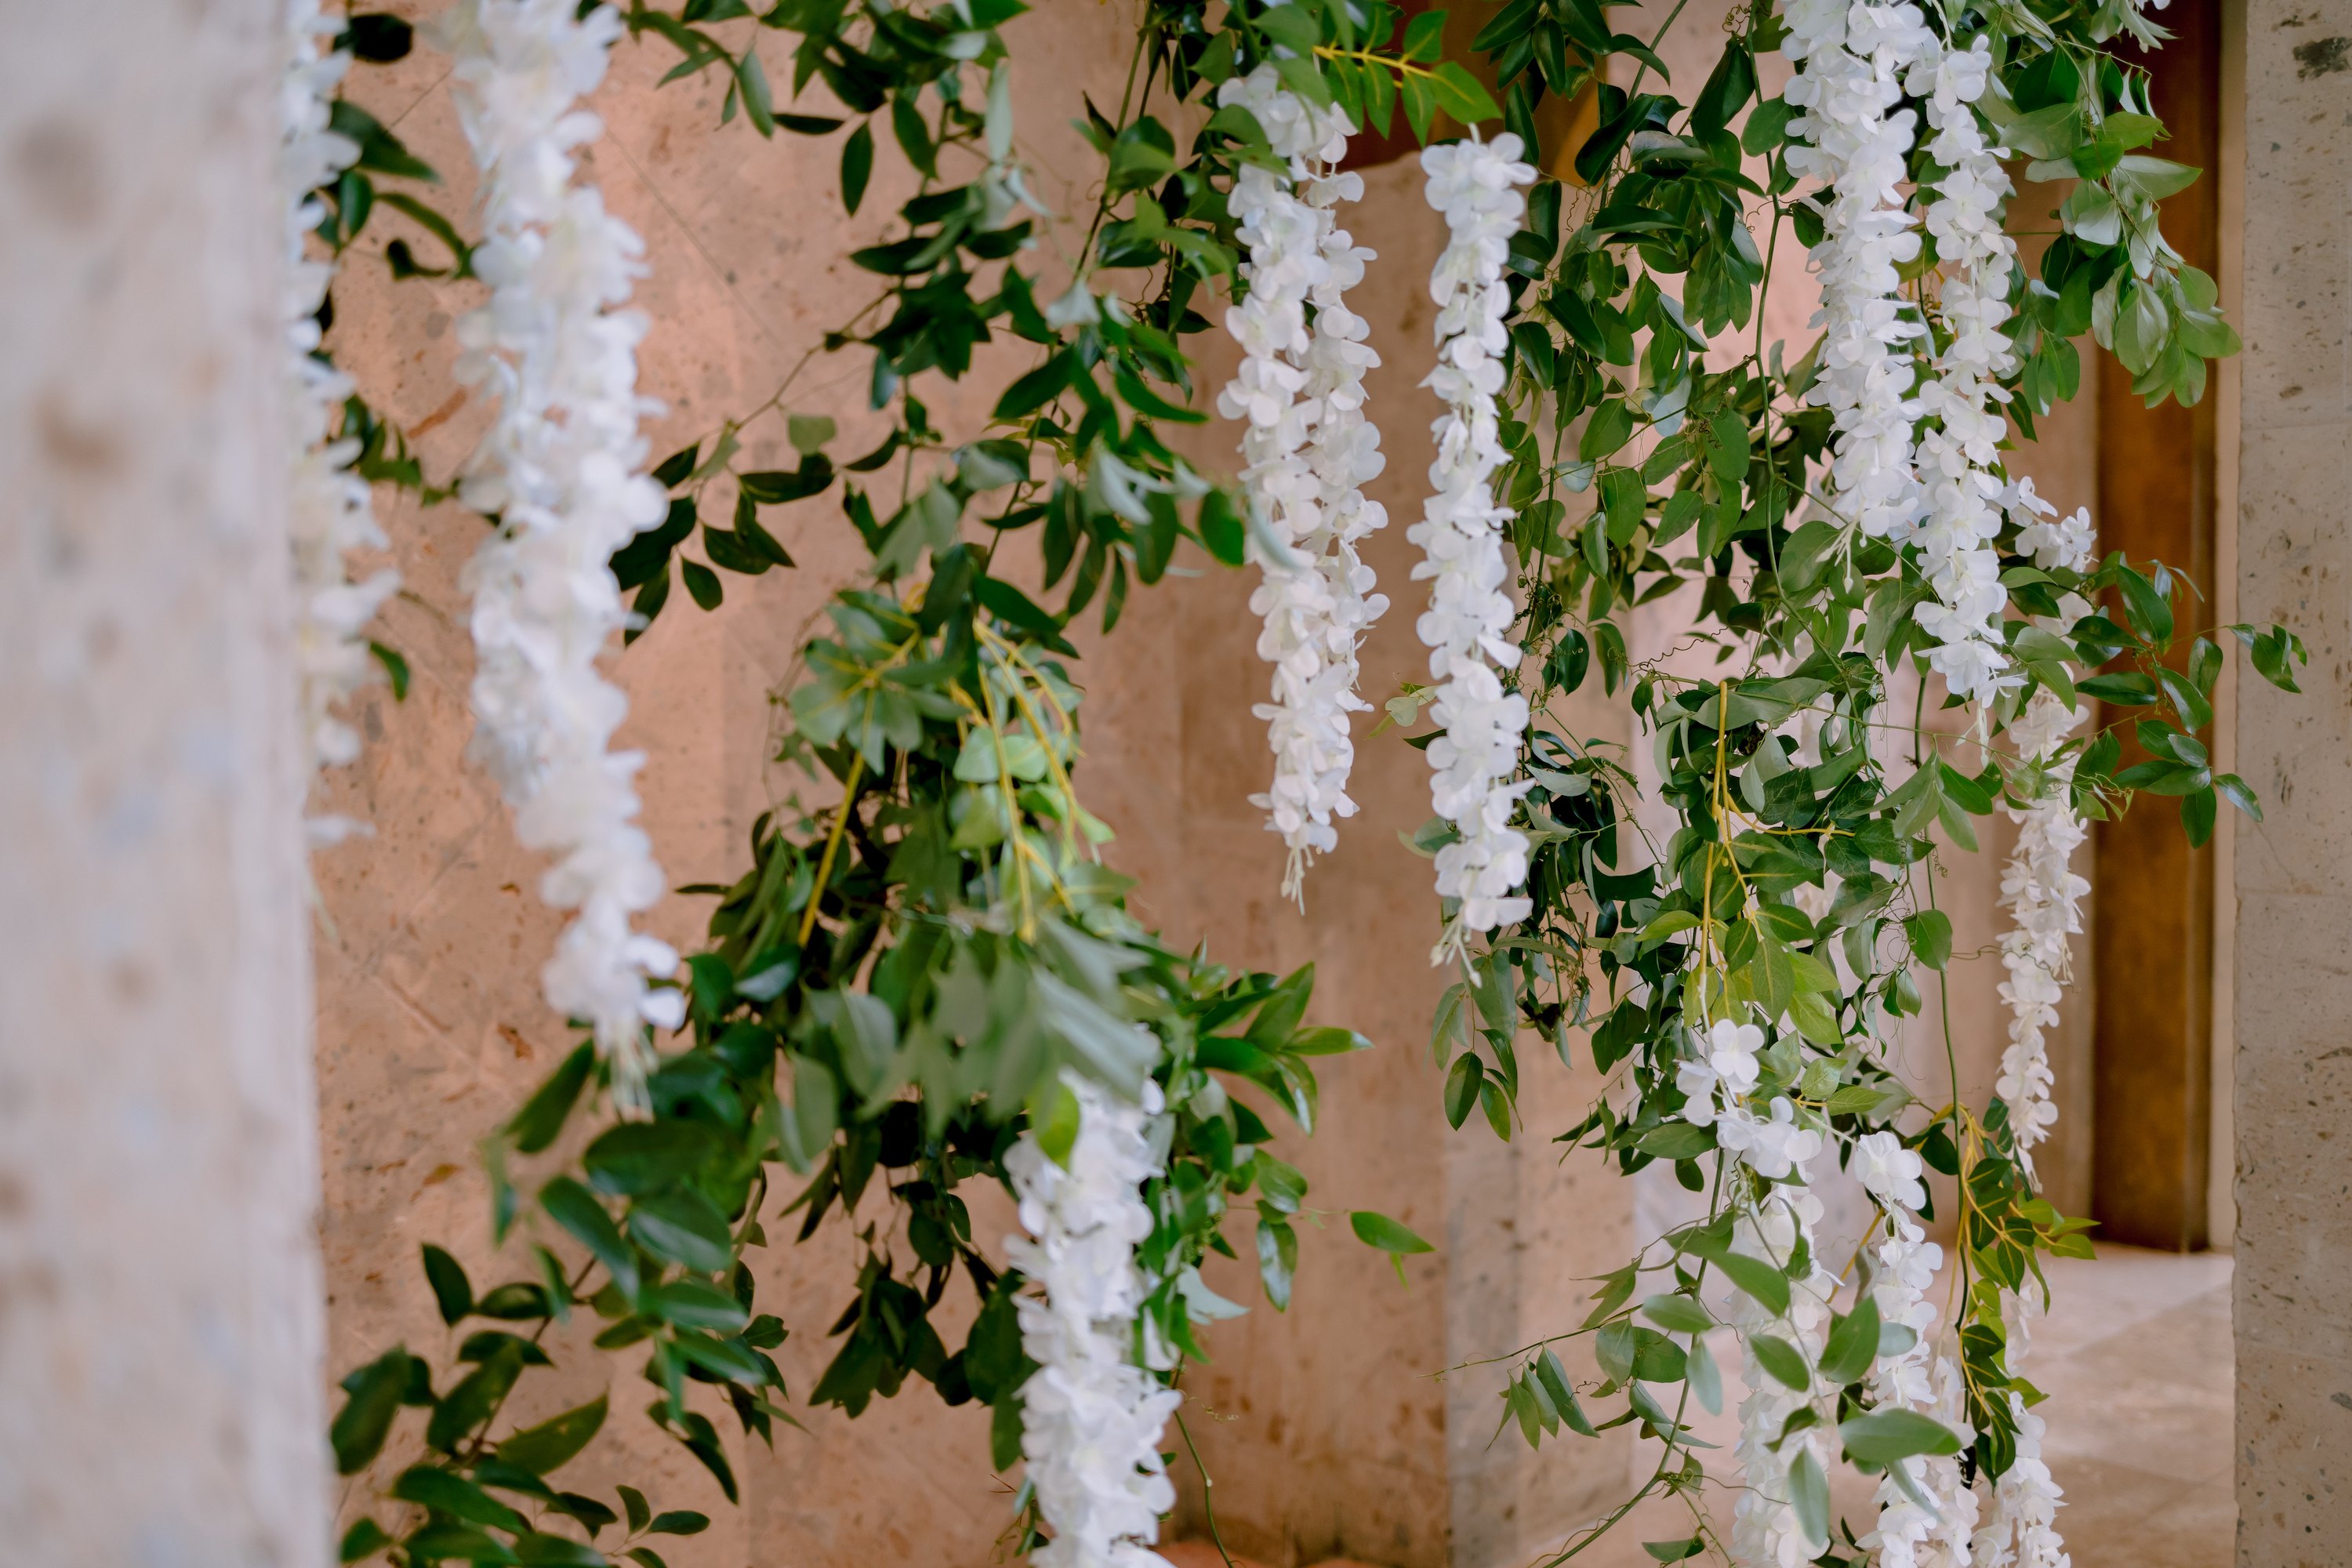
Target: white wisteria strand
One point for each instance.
(1928, 1523)
(328, 513)
(2023, 1532)
(1309, 450)
(1090, 1417)
(1851, 61)
(1765, 1532)
(1961, 492)
(559, 471)
(1477, 185)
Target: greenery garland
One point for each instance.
(897, 983)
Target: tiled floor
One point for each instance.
(2136, 1358)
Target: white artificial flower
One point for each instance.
(1477, 185)
(1765, 1528)
(2044, 898)
(1924, 1377)
(1962, 490)
(328, 512)
(561, 470)
(1772, 1145)
(1889, 1172)
(1090, 1417)
(1729, 1063)
(1308, 451)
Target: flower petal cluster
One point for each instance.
(1308, 451)
(1851, 63)
(1765, 1531)
(1925, 1377)
(2023, 1532)
(1090, 1416)
(329, 511)
(2044, 899)
(1957, 457)
(559, 471)
(1477, 185)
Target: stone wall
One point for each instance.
(2293, 951)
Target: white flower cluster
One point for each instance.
(2046, 899)
(1924, 1377)
(2023, 1532)
(1466, 627)
(1765, 1531)
(560, 472)
(1961, 493)
(1771, 1145)
(1851, 62)
(1308, 451)
(1090, 1417)
(329, 511)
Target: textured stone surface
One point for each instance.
(2294, 990)
(160, 1328)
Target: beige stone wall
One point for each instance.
(159, 1330)
(2293, 1038)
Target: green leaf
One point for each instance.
(679, 1522)
(1781, 1359)
(1852, 1343)
(1809, 1493)
(695, 1304)
(1379, 1230)
(554, 1443)
(395, 669)
(1461, 95)
(439, 1488)
(642, 1156)
(439, 1542)
(361, 1427)
(2147, 609)
(363, 1541)
(634, 1501)
(577, 1210)
(2234, 790)
(1761, 1279)
(541, 1119)
(1462, 1088)
(1930, 936)
(856, 166)
(467, 1406)
(1680, 1314)
(684, 1226)
(1675, 1551)
(452, 1293)
(759, 103)
(556, 1551)
(1884, 1436)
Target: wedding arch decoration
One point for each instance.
(930, 978)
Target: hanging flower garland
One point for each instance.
(1090, 1416)
(1308, 451)
(329, 511)
(1958, 459)
(1926, 1514)
(1475, 185)
(1850, 69)
(1766, 1528)
(560, 472)
(2023, 1532)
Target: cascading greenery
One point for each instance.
(896, 983)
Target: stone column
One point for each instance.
(2293, 874)
(160, 1314)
